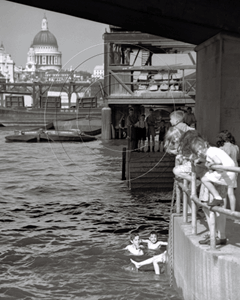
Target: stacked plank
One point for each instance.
(150, 171)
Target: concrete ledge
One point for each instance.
(201, 273)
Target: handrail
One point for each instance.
(224, 168)
(195, 201)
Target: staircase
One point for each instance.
(151, 171)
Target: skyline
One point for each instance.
(79, 40)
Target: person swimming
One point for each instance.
(153, 242)
(135, 247)
(160, 258)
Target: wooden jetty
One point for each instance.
(148, 170)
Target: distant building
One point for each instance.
(98, 72)
(66, 76)
(43, 53)
(61, 76)
(6, 65)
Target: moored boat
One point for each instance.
(50, 136)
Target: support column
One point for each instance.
(218, 89)
(106, 123)
(107, 81)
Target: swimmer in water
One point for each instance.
(153, 260)
(135, 247)
(153, 242)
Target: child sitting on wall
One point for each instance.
(227, 143)
(213, 156)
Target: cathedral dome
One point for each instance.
(43, 53)
(45, 38)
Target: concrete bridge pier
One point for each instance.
(218, 88)
(106, 123)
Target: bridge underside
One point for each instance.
(190, 21)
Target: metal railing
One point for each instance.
(191, 199)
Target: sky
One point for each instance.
(78, 39)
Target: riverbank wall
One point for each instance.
(201, 273)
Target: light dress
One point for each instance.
(233, 151)
(185, 166)
(220, 177)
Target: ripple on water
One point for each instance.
(65, 217)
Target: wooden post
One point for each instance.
(194, 207)
(212, 225)
(183, 81)
(128, 157)
(33, 95)
(178, 199)
(185, 202)
(124, 163)
(127, 166)
(106, 71)
(178, 193)
(70, 91)
(40, 94)
(1, 99)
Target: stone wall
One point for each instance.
(201, 273)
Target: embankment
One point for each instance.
(201, 273)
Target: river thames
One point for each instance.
(65, 218)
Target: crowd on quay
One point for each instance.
(144, 128)
(214, 187)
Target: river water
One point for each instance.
(65, 216)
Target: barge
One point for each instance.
(34, 105)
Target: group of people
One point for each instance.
(145, 127)
(216, 187)
(136, 248)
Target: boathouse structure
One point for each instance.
(145, 71)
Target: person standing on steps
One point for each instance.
(162, 132)
(189, 118)
(131, 129)
(141, 132)
(151, 123)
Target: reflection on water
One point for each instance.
(65, 217)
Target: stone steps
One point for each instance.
(151, 171)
